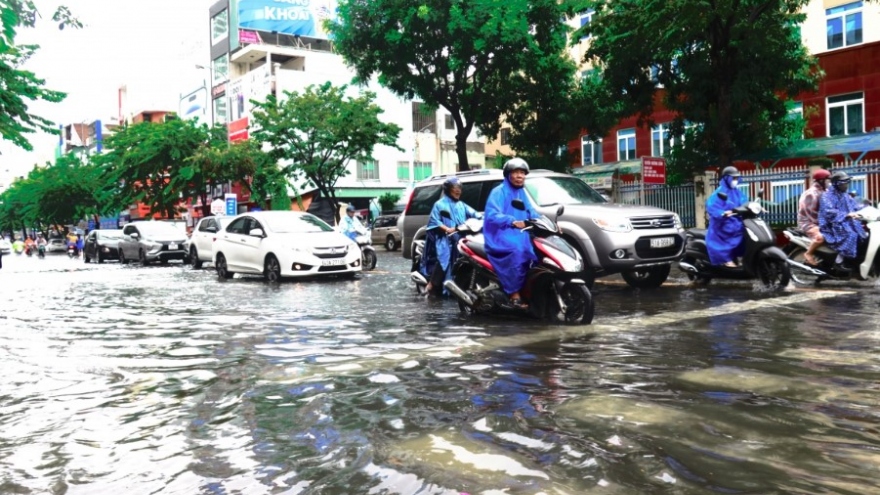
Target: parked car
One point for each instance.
(148, 241)
(638, 242)
(201, 243)
(384, 231)
(5, 247)
(280, 244)
(102, 245)
(56, 245)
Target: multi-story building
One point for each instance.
(845, 37)
(260, 47)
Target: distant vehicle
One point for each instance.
(102, 245)
(201, 243)
(5, 246)
(149, 241)
(280, 244)
(384, 231)
(56, 245)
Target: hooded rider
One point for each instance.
(837, 212)
(808, 213)
(508, 247)
(349, 223)
(442, 236)
(724, 238)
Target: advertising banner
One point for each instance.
(653, 170)
(293, 17)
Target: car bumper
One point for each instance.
(56, 249)
(5, 251)
(309, 266)
(634, 250)
(179, 254)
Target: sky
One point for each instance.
(151, 46)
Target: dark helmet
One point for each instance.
(350, 207)
(449, 183)
(515, 164)
(821, 174)
(840, 177)
(731, 171)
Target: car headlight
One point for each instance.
(613, 224)
(677, 220)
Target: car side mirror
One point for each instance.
(135, 235)
(257, 233)
(445, 214)
(518, 204)
(211, 229)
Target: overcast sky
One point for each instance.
(152, 46)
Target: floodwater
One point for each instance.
(166, 380)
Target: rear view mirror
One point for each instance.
(518, 204)
(760, 192)
(257, 233)
(135, 235)
(560, 211)
(211, 229)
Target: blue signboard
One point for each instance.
(231, 205)
(293, 17)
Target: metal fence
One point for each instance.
(679, 199)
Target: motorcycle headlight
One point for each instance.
(613, 224)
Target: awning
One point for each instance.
(855, 144)
(601, 175)
(367, 192)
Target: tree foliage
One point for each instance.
(19, 87)
(319, 131)
(457, 54)
(725, 67)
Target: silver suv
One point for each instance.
(639, 242)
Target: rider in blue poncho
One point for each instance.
(836, 220)
(441, 240)
(508, 247)
(724, 238)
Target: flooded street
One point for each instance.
(165, 380)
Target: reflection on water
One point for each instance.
(166, 380)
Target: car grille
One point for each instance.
(658, 222)
(646, 252)
(338, 268)
(330, 252)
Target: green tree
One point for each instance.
(316, 133)
(217, 163)
(18, 87)
(725, 67)
(455, 54)
(388, 200)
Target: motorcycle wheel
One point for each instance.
(773, 272)
(369, 260)
(579, 305)
(647, 278)
(796, 253)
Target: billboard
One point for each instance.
(194, 105)
(292, 17)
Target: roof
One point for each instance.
(859, 144)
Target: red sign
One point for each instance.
(238, 129)
(653, 170)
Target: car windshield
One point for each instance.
(110, 234)
(293, 223)
(160, 228)
(549, 191)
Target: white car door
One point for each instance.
(230, 243)
(127, 246)
(203, 238)
(251, 247)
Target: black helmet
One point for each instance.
(449, 183)
(731, 171)
(840, 176)
(515, 164)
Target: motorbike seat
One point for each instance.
(697, 233)
(478, 246)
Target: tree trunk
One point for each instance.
(725, 146)
(461, 135)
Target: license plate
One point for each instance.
(172, 246)
(662, 242)
(336, 262)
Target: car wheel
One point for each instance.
(194, 258)
(222, 269)
(142, 256)
(99, 258)
(647, 278)
(86, 258)
(391, 243)
(272, 269)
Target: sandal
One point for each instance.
(518, 304)
(730, 264)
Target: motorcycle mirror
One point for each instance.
(518, 204)
(560, 211)
(760, 192)
(445, 214)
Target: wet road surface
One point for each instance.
(167, 380)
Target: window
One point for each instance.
(843, 25)
(422, 170)
(626, 144)
(221, 69)
(661, 141)
(423, 200)
(219, 26)
(591, 151)
(586, 18)
(505, 136)
(367, 171)
(846, 114)
(423, 118)
(450, 124)
(403, 171)
(238, 226)
(220, 110)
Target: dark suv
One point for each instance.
(639, 242)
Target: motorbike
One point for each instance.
(762, 259)
(29, 250)
(368, 252)
(71, 251)
(41, 251)
(554, 287)
(866, 265)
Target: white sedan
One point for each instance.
(283, 244)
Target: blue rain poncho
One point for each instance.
(724, 238)
(509, 249)
(841, 233)
(440, 248)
